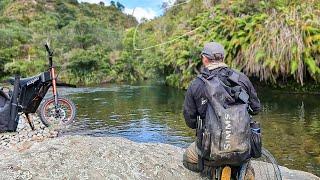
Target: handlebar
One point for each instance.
(50, 53)
(48, 49)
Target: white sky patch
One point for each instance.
(170, 2)
(141, 13)
(95, 1)
(138, 12)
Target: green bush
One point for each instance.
(26, 68)
(88, 66)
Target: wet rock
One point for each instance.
(84, 157)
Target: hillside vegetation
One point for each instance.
(276, 41)
(86, 38)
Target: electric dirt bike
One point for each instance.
(32, 91)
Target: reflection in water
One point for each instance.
(290, 123)
(301, 112)
(291, 129)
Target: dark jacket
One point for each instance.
(195, 103)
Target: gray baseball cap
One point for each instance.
(212, 50)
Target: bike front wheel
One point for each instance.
(63, 114)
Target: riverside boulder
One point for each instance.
(85, 157)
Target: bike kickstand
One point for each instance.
(30, 122)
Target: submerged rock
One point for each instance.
(84, 157)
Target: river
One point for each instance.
(153, 113)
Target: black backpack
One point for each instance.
(8, 109)
(223, 137)
(5, 105)
(6, 124)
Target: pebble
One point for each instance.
(25, 134)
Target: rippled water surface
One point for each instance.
(153, 113)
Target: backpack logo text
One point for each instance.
(227, 145)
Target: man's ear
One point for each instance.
(202, 59)
(205, 60)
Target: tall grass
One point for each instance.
(273, 40)
(287, 44)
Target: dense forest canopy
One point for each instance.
(274, 41)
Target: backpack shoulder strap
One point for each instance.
(200, 76)
(242, 94)
(234, 77)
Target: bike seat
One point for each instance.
(23, 81)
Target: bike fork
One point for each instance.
(54, 89)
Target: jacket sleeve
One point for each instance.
(190, 109)
(254, 101)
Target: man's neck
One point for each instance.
(215, 65)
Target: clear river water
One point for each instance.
(153, 113)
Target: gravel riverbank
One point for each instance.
(24, 135)
(85, 157)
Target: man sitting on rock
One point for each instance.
(196, 101)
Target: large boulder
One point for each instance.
(84, 157)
